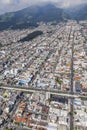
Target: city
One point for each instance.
(35, 77)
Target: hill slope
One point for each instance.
(78, 12)
(29, 17)
(82, 13)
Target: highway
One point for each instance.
(54, 92)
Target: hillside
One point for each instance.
(78, 12)
(29, 17)
(82, 13)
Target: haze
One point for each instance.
(13, 5)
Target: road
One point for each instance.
(55, 92)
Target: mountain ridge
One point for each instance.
(31, 16)
(78, 12)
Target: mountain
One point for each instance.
(78, 12)
(81, 13)
(29, 17)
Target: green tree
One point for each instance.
(49, 100)
(59, 81)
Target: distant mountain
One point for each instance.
(82, 13)
(78, 12)
(29, 17)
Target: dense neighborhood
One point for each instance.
(44, 63)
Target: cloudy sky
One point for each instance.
(12, 5)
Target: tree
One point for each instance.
(49, 100)
(58, 81)
(75, 112)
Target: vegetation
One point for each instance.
(8, 129)
(31, 36)
(1, 45)
(70, 113)
(75, 112)
(29, 17)
(85, 110)
(49, 100)
(59, 81)
(78, 13)
(82, 13)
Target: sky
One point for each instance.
(13, 5)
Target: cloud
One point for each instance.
(13, 5)
(68, 3)
(5, 1)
